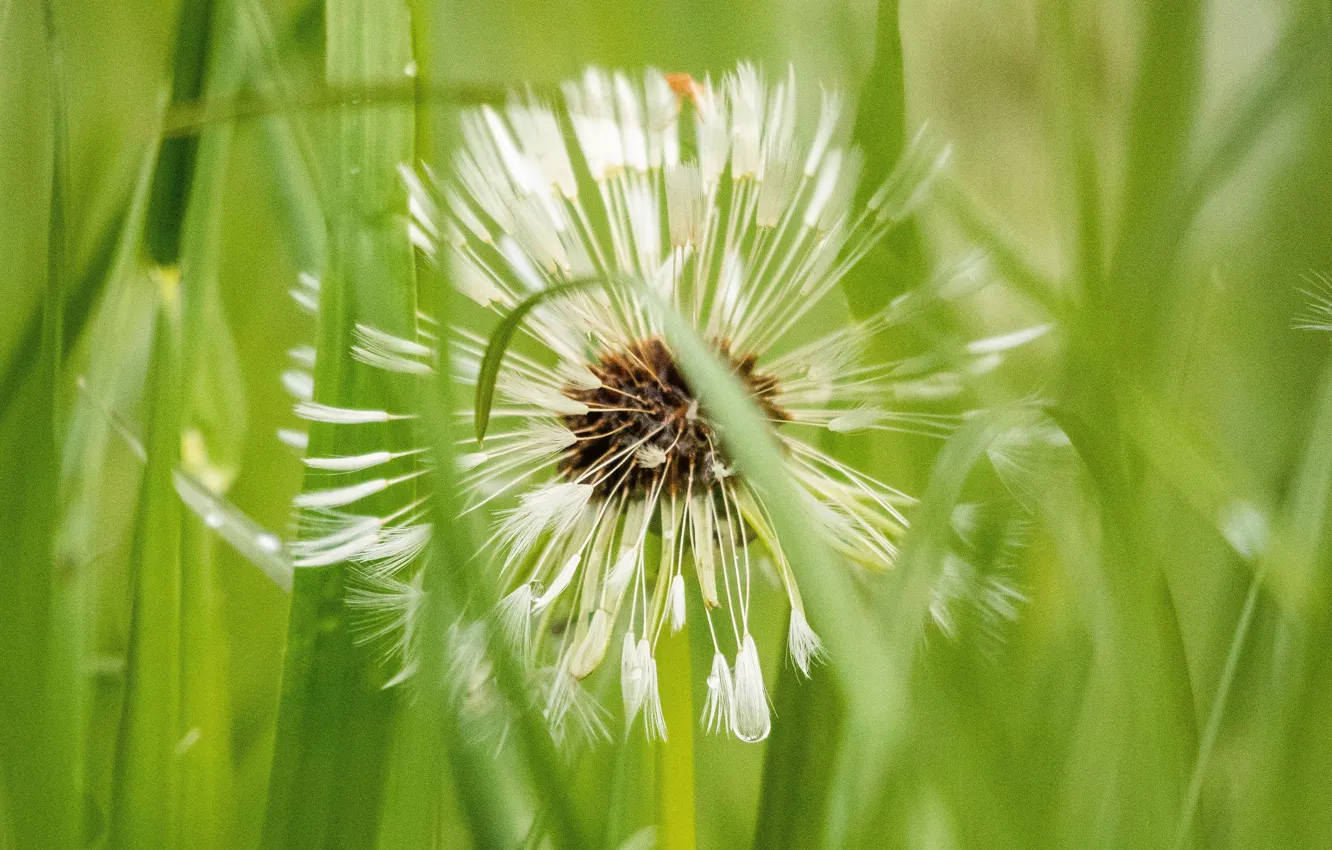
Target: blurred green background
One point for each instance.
(1154, 178)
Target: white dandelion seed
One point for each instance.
(802, 644)
(676, 599)
(750, 720)
(720, 703)
(597, 438)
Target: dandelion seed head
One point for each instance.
(644, 404)
(612, 492)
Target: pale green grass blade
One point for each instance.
(1296, 561)
(448, 584)
(799, 759)
(1298, 541)
(861, 654)
(1137, 737)
(881, 132)
(335, 720)
(433, 747)
(44, 690)
(292, 152)
(905, 604)
(144, 803)
(66, 692)
(213, 428)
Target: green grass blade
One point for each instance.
(43, 686)
(66, 694)
(1298, 550)
(291, 151)
(1161, 124)
(175, 162)
(799, 766)
(335, 723)
(144, 807)
(799, 761)
(449, 583)
(432, 746)
(676, 782)
(881, 132)
(435, 756)
(213, 428)
(836, 610)
(1298, 540)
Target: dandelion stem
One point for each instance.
(675, 757)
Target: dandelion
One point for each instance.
(620, 498)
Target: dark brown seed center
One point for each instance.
(644, 405)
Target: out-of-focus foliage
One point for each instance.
(1154, 475)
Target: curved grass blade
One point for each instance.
(499, 343)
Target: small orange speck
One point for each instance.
(683, 85)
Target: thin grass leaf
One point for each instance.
(44, 613)
(80, 296)
(336, 720)
(1212, 731)
(175, 161)
(189, 119)
(881, 133)
(146, 781)
(66, 692)
(292, 152)
(1294, 564)
(213, 427)
(1299, 537)
(499, 343)
(256, 543)
(122, 333)
(448, 585)
(858, 649)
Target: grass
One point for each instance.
(1151, 179)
